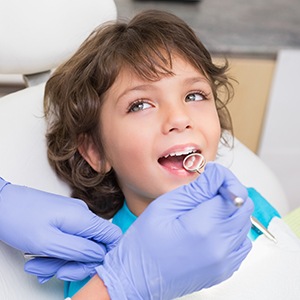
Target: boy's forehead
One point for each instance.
(155, 73)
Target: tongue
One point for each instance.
(172, 162)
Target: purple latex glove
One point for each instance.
(188, 239)
(59, 227)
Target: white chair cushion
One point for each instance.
(270, 271)
(15, 284)
(253, 172)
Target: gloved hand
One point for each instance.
(59, 227)
(186, 240)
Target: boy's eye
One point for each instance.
(195, 97)
(139, 105)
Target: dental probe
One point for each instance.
(194, 162)
(257, 225)
(238, 201)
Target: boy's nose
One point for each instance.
(176, 119)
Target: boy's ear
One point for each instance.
(90, 153)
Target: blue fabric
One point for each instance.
(124, 218)
(72, 287)
(263, 211)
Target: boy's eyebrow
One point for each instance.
(142, 87)
(196, 79)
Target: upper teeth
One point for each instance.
(184, 152)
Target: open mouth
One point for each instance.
(174, 160)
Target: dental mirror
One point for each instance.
(194, 162)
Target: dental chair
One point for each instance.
(37, 36)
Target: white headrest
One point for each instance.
(23, 152)
(37, 36)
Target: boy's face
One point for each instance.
(149, 126)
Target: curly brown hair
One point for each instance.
(74, 93)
